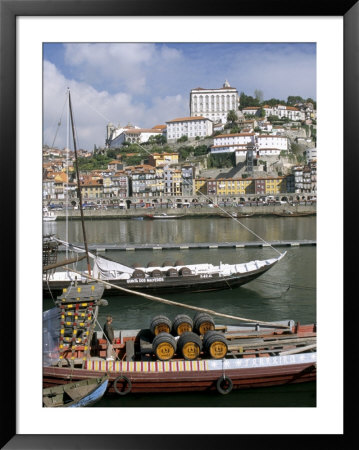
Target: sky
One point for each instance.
(147, 84)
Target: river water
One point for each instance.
(287, 291)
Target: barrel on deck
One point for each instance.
(160, 324)
(181, 324)
(164, 346)
(189, 345)
(215, 344)
(202, 322)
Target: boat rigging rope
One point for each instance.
(170, 302)
(59, 124)
(223, 210)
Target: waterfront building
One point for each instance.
(91, 188)
(214, 104)
(172, 181)
(116, 185)
(230, 186)
(188, 176)
(290, 183)
(143, 181)
(307, 179)
(200, 185)
(211, 187)
(275, 185)
(48, 189)
(313, 172)
(259, 186)
(298, 179)
(191, 127)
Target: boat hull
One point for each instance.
(95, 387)
(167, 284)
(197, 377)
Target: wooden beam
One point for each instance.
(64, 262)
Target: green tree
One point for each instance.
(247, 100)
(200, 150)
(232, 117)
(274, 101)
(185, 151)
(221, 160)
(133, 160)
(183, 138)
(111, 153)
(310, 100)
(293, 99)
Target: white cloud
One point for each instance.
(121, 66)
(93, 109)
(148, 84)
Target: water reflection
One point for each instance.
(210, 229)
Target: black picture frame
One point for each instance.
(9, 11)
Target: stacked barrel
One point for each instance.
(186, 337)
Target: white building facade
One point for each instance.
(190, 127)
(264, 145)
(214, 104)
(282, 111)
(271, 141)
(133, 135)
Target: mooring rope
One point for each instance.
(170, 302)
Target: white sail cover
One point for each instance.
(105, 269)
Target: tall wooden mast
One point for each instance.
(79, 188)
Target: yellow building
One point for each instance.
(230, 186)
(91, 188)
(275, 185)
(157, 159)
(177, 182)
(200, 185)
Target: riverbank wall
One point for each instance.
(199, 211)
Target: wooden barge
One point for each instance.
(166, 278)
(182, 355)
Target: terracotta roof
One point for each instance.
(141, 130)
(229, 145)
(184, 119)
(272, 136)
(234, 134)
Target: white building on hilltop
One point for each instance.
(116, 136)
(214, 104)
(190, 127)
(264, 145)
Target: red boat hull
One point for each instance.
(144, 382)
